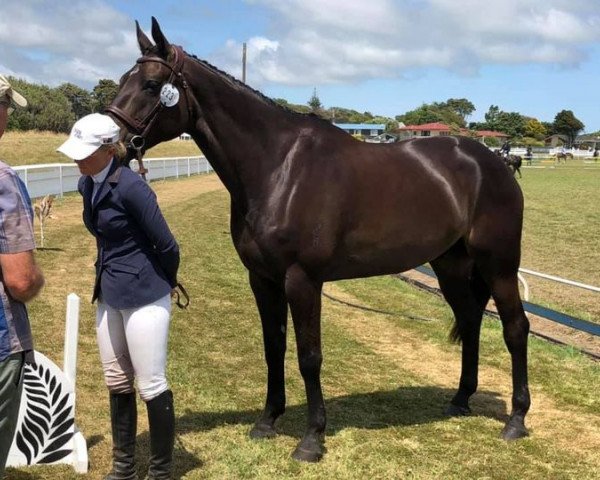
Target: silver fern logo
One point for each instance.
(47, 424)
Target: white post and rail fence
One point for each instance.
(60, 178)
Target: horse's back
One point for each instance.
(378, 208)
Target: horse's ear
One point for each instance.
(163, 45)
(143, 41)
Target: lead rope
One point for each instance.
(183, 306)
(142, 170)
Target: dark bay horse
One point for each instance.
(311, 204)
(513, 162)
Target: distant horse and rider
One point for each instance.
(311, 204)
(513, 162)
(563, 156)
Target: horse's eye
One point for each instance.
(151, 85)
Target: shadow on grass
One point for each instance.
(94, 440)
(374, 410)
(404, 406)
(184, 461)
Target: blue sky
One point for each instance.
(536, 57)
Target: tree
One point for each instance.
(462, 106)
(511, 123)
(437, 112)
(292, 106)
(567, 124)
(47, 109)
(549, 126)
(491, 118)
(282, 101)
(314, 103)
(103, 94)
(535, 129)
(80, 99)
(345, 115)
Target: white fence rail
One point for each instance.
(60, 178)
(565, 281)
(549, 152)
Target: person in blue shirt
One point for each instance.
(20, 281)
(136, 272)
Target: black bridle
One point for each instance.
(141, 127)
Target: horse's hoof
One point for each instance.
(513, 432)
(262, 430)
(457, 411)
(308, 450)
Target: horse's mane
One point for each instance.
(239, 85)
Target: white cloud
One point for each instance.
(310, 42)
(74, 41)
(340, 41)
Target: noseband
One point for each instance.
(141, 127)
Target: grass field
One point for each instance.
(560, 237)
(386, 379)
(32, 148)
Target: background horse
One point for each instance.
(311, 204)
(560, 156)
(513, 162)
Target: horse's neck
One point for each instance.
(240, 133)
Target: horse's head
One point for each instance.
(153, 104)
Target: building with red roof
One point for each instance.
(425, 130)
(437, 129)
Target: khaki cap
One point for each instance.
(7, 91)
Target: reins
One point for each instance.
(141, 127)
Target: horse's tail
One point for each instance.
(454, 335)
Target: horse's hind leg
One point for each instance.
(467, 294)
(499, 268)
(272, 306)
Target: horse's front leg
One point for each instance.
(272, 307)
(304, 297)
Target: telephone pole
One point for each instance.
(244, 63)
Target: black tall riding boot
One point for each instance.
(123, 416)
(161, 418)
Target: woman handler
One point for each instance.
(136, 270)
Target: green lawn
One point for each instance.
(560, 237)
(34, 148)
(386, 378)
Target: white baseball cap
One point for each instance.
(88, 134)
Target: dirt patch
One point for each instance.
(576, 432)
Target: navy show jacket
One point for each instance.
(138, 256)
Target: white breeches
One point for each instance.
(133, 344)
